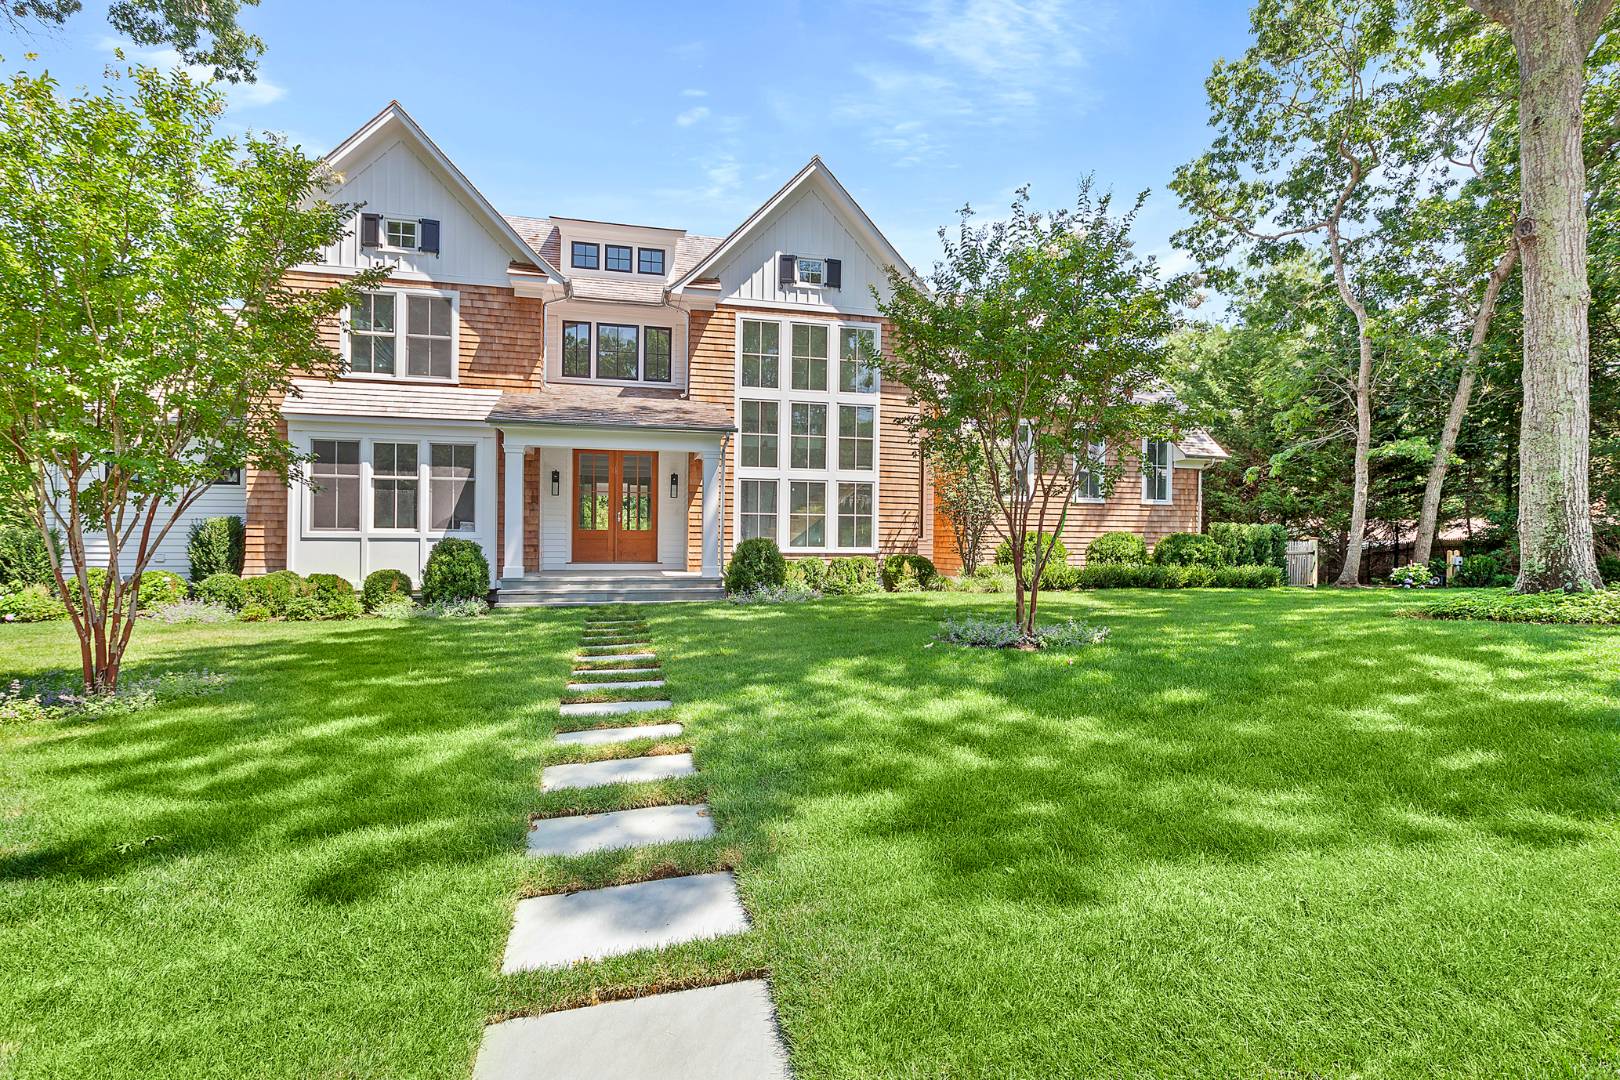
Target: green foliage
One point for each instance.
(159, 588)
(203, 35)
(193, 611)
(394, 606)
(757, 563)
(1609, 568)
(1251, 545)
(23, 557)
(334, 596)
(276, 593)
(227, 590)
(384, 585)
(977, 631)
(809, 572)
(1157, 576)
(254, 611)
(95, 578)
(851, 575)
(907, 573)
(1476, 571)
(1584, 608)
(30, 603)
(456, 570)
(772, 594)
(1121, 548)
(966, 498)
(216, 545)
(467, 608)
(1416, 576)
(1189, 549)
(1060, 576)
(1033, 541)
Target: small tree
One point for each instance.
(149, 338)
(968, 502)
(1043, 335)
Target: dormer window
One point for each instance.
(650, 261)
(812, 271)
(618, 258)
(795, 271)
(400, 234)
(583, 256)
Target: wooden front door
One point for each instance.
(615, 512)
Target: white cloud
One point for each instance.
(692, 116)
(246, 95)
(1023, 41)
(693, 92)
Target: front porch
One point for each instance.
(615, 584)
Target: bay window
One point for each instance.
(621, 352)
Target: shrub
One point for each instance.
(907, 573)
(275, 592)
(757, 563)
(216, 545)
(254, 611)
(1247, 577)
(1188, 549)
(24, 559)
(986, 579)
(1060, 576)
(334, 596)
(30, 603)
(1609, 569)
(394, 606)
(772, 594)
(468, 608)
(456, 570)
(227, 590)
(851, 575)
(384, 585)
(1476, 571)
(1588, 608)
(303, 608)
(1416, 576)
(1251, 545)
(808, 573)
(1153, 576)
(159, 588)
(1059, 552)
(1117, 549)
(193, 611)
(978, 631)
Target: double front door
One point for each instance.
(615, 513)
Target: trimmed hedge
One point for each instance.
(216, 545)
(1582, 608)
(334, 597)
(1117, 549)
(756, 564)
(227, 590)
(907, 573)
(1122, 576)
(1251, 545)
(274, 593)
(1189, 549)
(809, 573)
(383, 585)
(456, 570)
(852, 575)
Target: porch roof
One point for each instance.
(612, 406)
(355, 397)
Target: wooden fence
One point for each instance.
(1302, 562)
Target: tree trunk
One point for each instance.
(1351, 573)
(1429, 518)
(1555, 520)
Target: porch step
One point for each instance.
(593, 588)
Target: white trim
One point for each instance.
(1169, 468)
(1096, 455)
(401, 333)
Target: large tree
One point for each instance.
(1552, 40)
(1043, 335)
(205, 33)
(149, 336)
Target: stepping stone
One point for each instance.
(588, 687)
(606, 735)
(620, 829)
(586, 658)
(563, 929)
(616, 670)
(724, 1032)
(634, 770)
(613, 651)
(611, 708)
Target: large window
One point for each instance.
(616, 351)
(807, 444)
(809, 356)
(623, 352)
(855, 436)
(451, 484)
(759, 432)
(761, 353)
(807, 514)
(1088, 473)
(1155, 471)
(583, 256)
(576, 359)
(335, 485)
(658, 354)
(420, 325)
(857, 360)
(393, 485)
(854, 515)
(616, 257)
(758, 509)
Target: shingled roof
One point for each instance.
(611, 406)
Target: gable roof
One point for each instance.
(814, 174)
(393, 119)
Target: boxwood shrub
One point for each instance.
(907, 573)
(381, 586)
(216, 545)
(851, 575)
(227, 590)
(274, 593)
(1189, 549)
(1156, 576)
(160, 588)
(334, 596)
(1060, 553)
(456, 570)
(808, 573)
(1117, 549)
(756, 564)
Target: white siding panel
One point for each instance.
(220, 500)
(397, 183)
(806, 226)
(671, 512)
(556, 542)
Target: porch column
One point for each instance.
(711, 513)
(512, 513)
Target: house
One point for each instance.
(601, 404)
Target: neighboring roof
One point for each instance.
(393, 115)
(612, 406)
(814, 172)
(354, 397)
(1199, 444)
(617, 290)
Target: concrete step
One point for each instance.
(611, 708)
(603, 736)
(593, 687)
(634, 770)
(584, 833)
(589, 599)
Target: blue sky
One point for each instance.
(690, 117)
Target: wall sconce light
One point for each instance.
(674, 485)
(556, 481)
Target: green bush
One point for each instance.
(384, 585)
(756, 564)
(30, 603)
(852, 575)
(1059, 552)
(275, 592)
(1188, 549)
(1476, 572)
(1609, 569)
(1060, 576)
(95, 578)
(1251, 545)
(1155, 576)
(254, 611)
(227, 590)
(159, 588)
(335, 596)
(1248, 577)
(986, 579)
(216, 545)
(809, 573)
(456, 570)
(907, 573)
(1117, 549)
(24, 559)
(1582, 608)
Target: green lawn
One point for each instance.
(1254, 834)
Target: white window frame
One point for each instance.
(483, 464)
(1094, 464)
(785, 397)
(401, 323)
(798, 271)
(776, 511)
(416, 233)
(1151, 468)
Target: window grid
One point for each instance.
(576, 360)
(809, 356)
(400, 234)
(583, 256)
(1155, 470)
(452, 487)
(616, 257)
(393, 485)
(617, 349)
(1088, 474)
(650, 260)
(658, 354)
(854, 515)
(428, 336)
(372, 334)
(335, 485)
(807, 445)
(759, 509)
(807, 514)
(759, 434)
(855, 437)
(857, 357)
(761, 353)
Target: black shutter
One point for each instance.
(787, 269)
(428, 236)
(370, 230)
(835, 274)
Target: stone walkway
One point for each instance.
(725, 1032)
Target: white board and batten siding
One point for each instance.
(806, 226)
(219, 500)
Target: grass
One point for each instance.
(1261, 834)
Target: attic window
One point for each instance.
(812, 271)
(400, 233)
